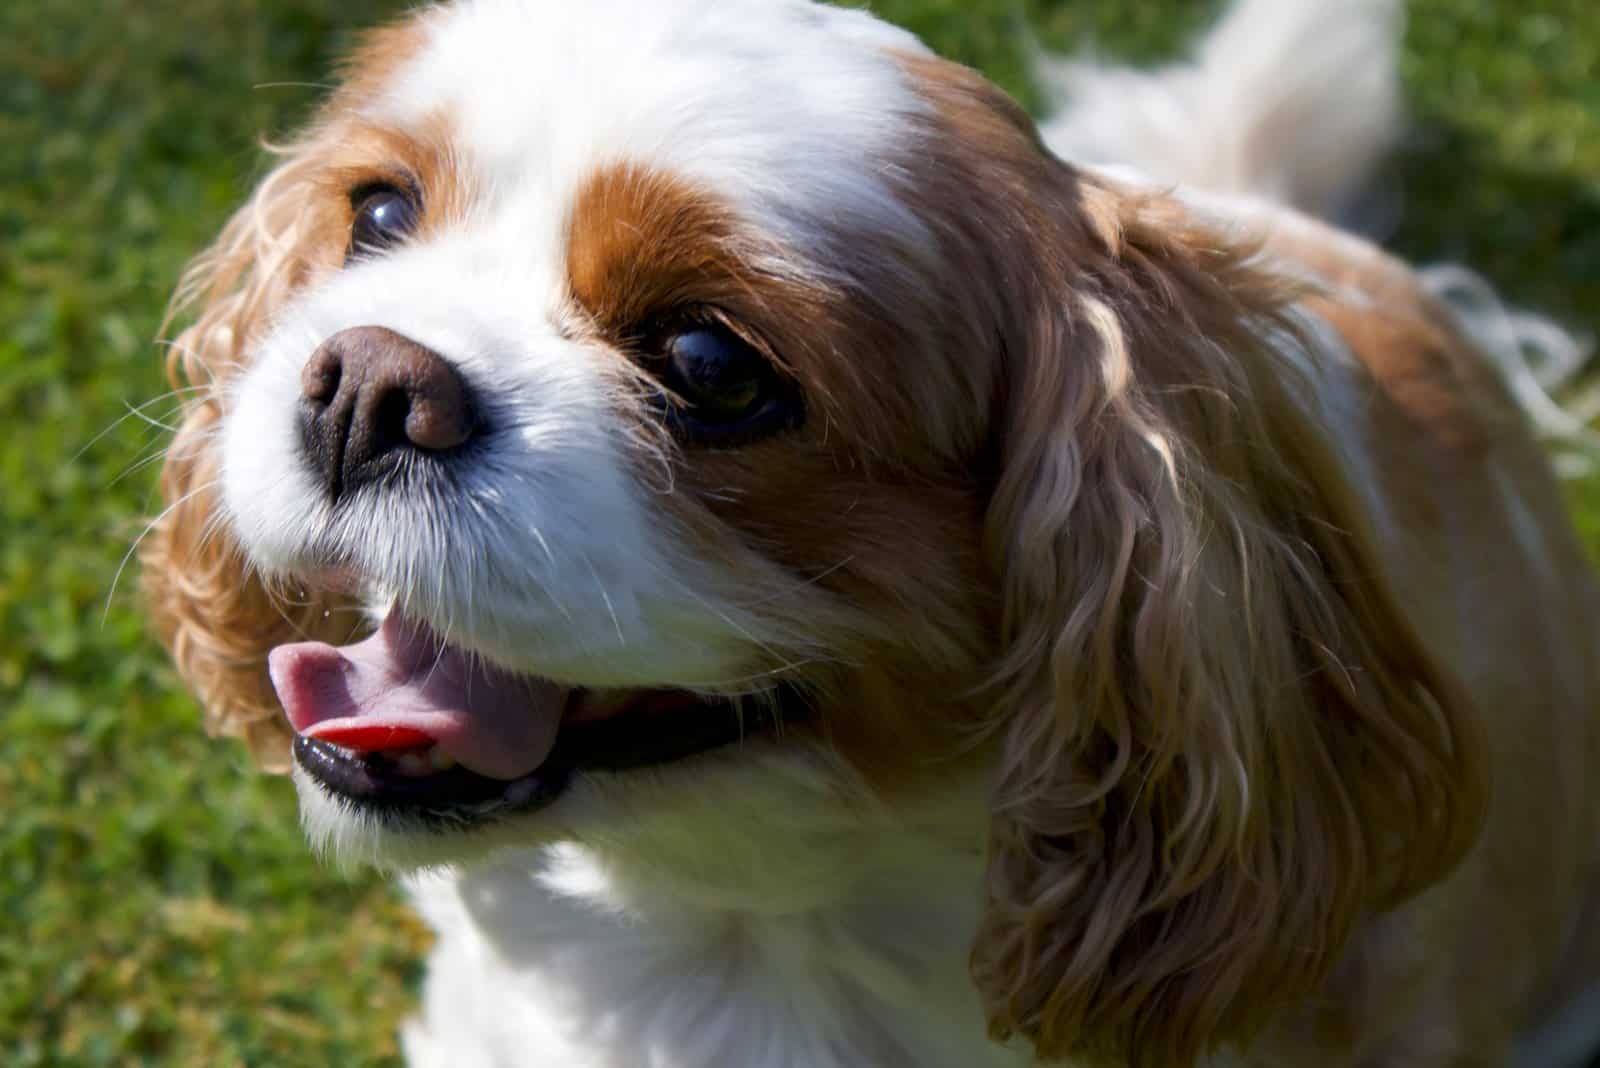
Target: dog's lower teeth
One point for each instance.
(414, 764)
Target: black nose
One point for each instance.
(371, 398)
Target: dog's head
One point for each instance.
(725, 411)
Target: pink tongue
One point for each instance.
(403, 685)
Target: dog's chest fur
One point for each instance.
(546, 957)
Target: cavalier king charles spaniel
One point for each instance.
(797, 572)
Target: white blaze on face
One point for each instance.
(546, 551)
(542, 545)
(777, 105)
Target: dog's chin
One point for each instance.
(353, 835)
(605, 786)
(412, 750)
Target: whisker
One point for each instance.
(138, 465)
(802, 584)
(134, 412)
(560, 602)
(605, 598)
(784, 662)
(111, 594)
(318, 86)
(138, 413)
(188, 352)
(730, 687)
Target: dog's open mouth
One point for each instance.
(405, 720)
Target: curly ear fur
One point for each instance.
(1227, 743)
(216, 616)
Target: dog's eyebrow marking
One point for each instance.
(421, 159)
(640, 242)
(378, 59)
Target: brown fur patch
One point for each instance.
(857, 528)
(641, 243)
(1406, 342)
(1049, 479)
(377, 58)
(1218, 722)
(420, 161)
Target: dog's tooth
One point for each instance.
(440, 760)
(413, 764)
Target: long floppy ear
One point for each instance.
(215, 613)
(216, 616)
(1226, 742)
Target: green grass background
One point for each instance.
(156, 902)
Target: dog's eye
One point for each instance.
(726, 392)
(384, 216)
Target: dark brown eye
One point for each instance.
(726, 391)
(384, 217)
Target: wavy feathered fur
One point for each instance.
(1210, 508)
(218, 617)
(1224, 743)
(215, 613)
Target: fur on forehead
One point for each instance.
(774, 103)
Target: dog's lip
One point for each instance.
(663, 727)
(365, 713)
(452, 796)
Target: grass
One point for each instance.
(161, 907)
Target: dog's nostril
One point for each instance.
(431, 411)
(319, 379)
(370, 394)
(390, 416)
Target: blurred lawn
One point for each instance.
(159, 904)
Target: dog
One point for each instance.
(802, 572)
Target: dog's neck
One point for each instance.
(820, 946)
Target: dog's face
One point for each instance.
(730, 416)
(607, 388)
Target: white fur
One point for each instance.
(554, 559)
(754, 907)
(776, 104)
(1293, 100)
(1295, 103)
(804, 932)
(551, 557)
